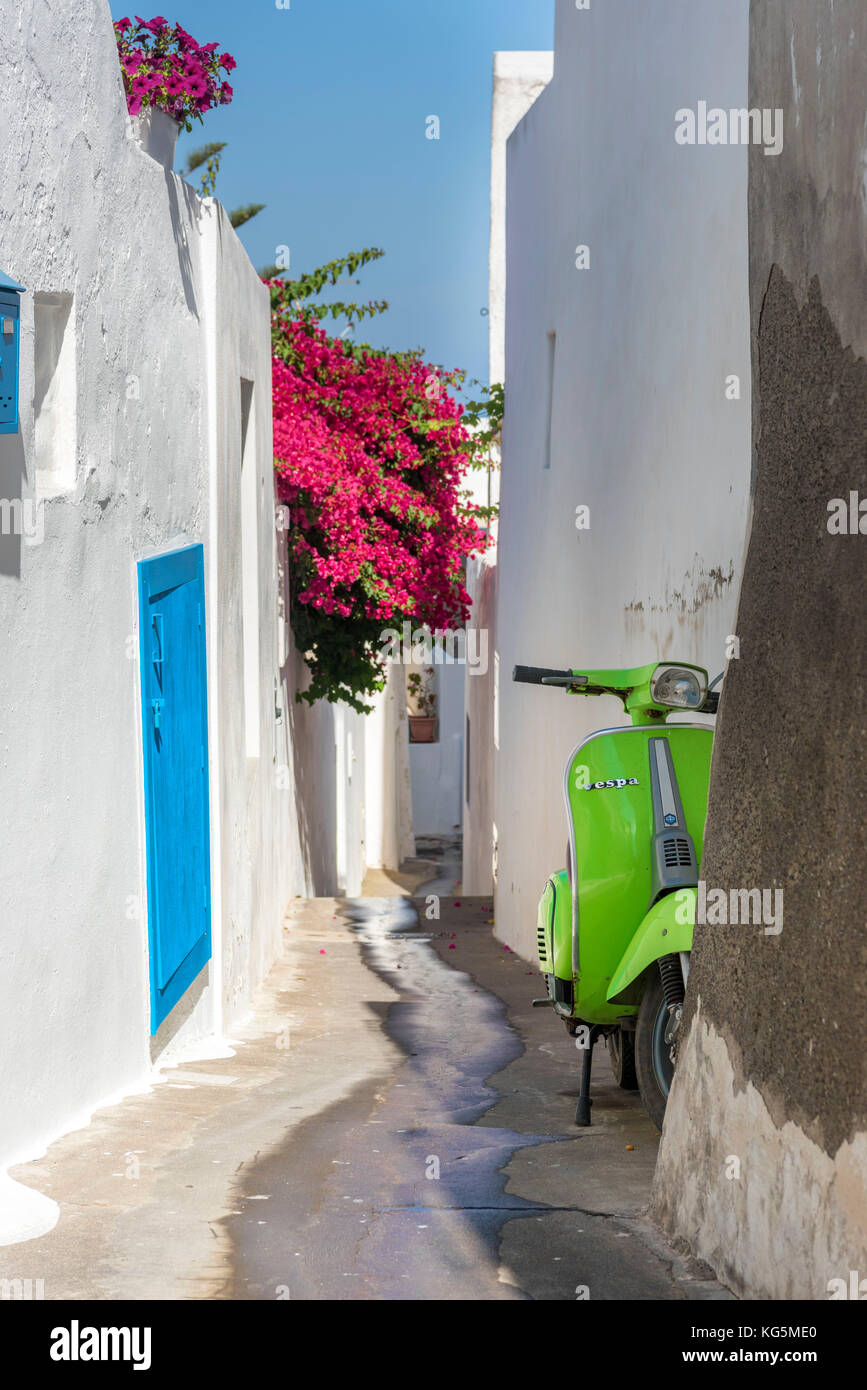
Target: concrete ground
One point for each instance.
(396, 1123)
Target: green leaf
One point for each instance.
(241, 215)
(196, 158)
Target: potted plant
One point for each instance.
(169, 80)
(423, 718)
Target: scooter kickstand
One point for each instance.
(582, 1113)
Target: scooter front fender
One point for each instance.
(666, 929)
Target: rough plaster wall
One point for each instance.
(84, 211)
(313, 742)
(641, 431)
(258, 869)
(785, 1221)
(478, 844)
(773, 1067)
(436, 769)
(345, 824)
(389, 837)
(519, 78)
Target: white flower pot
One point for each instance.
(157, 134)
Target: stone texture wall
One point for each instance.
(763, 1167)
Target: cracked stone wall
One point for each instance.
(763, 1167)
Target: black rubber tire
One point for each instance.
(652, 1016)
(621, 1052)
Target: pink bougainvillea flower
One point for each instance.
(370, 467)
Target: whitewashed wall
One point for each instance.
(436, 769)
(640, 429)
(479, 834)
(167, 317)
(388, 824)
(518, 79)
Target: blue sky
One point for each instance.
(327, 128)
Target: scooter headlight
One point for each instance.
(678, 687)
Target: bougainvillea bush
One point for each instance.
(370, 454)
(164, 67)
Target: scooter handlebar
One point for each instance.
(534, 675)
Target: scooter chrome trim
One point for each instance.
(656, 730)
(670, 808)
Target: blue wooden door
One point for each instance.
(175, 741)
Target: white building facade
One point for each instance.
(145, 432)
(626, 443)
(518, 79)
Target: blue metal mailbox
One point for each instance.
(9, 337)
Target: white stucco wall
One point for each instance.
(258, 869)
(167, 315)
(640, 429)
(388, 826)
(140, 453)
(436, 769)
(479, 832)
(519, 78)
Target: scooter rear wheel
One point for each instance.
(653, 1064)
(621, 1053)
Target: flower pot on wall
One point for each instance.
(157, 134)
(422, 728)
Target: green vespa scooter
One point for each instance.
(614, 928)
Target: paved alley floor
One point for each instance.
(396, 1122)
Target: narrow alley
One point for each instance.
(377, 1133)
(432, 674)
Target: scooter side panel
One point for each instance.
(554, 937)
(562, 926)
(608, 794)
(667, 929)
